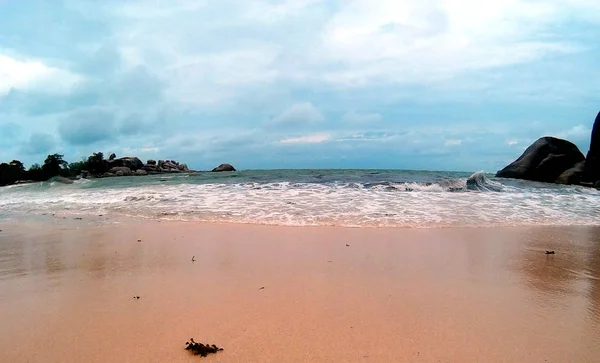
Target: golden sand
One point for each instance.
(392, 295)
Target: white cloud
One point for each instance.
(309, 139)
(453, 142)
(27, 74)
(257, 44)
(511, 142)
(354, 117)
(576, 132)
(299, 114)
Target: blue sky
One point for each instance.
(433, 84)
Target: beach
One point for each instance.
(297, 294)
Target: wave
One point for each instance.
(478, 181)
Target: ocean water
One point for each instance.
(356, 198)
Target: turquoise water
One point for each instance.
(399, 198)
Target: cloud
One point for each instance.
(390, 78)
(308, 139)
(358, 118)
(28, 74)
(299, 114)
(87, 126)
(453, 142)
(39, 143)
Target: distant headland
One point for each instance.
(95, 166)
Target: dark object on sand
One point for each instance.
(224, 167)
(193, 258)
(550, 252)
(545, 161)
(78, 218)
(139, 240)
(347, 245)
(262, 288)
(201, 349)
(136, 297)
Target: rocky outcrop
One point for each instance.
(141, 172)
(121, 171)
(572, 176)
(133, 163)
(545, 160)
(224, 167)
(592, 161)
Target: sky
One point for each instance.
(432, 84)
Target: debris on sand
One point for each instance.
(550, 252)
(139, 240)
(262, 288)
(136, 297)
(193, 258)
(201, 349)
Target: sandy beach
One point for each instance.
(330, 294)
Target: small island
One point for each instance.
(95, 166)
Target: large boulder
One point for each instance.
(592, 162)
(183, 167)
(130, 162)
(572, 176)
(141, 172)
(224, 167)
(121, 171)
(545, 160)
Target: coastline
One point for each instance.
(394, 294)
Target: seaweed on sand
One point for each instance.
(201, 349)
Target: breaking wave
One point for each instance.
(348, 198)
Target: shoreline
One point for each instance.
(392, 294)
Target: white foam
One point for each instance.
(285, 203)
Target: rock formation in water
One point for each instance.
(224, 167)
(559, 161)
(546, 160)
(592, 162)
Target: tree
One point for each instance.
(112, 157)
(12, 172)
(35, 173)
(96, 164)
(78, 167)
(54, 165)
(18, 166)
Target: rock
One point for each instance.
(572, 176)
(121, 171)
(141, 172)
(133, 163)
(224, 167)
(592, 162)
(169, 165)
(597, 184)
(545, 160)
(107, 175)
(183, 167)
(151, 162)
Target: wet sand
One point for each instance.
(392, 295)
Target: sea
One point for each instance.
(352, 198)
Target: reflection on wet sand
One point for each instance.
(467, 295)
